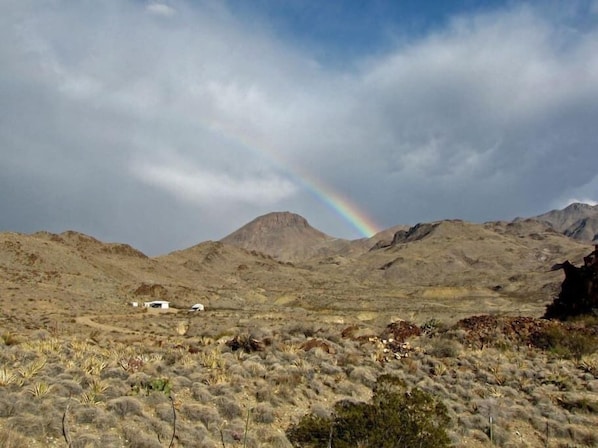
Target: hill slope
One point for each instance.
(283, 235)
(579, 221)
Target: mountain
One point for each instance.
(282, 235)
(321, 326)
(578, 221)
(279, 259)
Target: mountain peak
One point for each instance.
(283, 235)
(279, 220)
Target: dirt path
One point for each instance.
(88, 320)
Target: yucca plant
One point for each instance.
(39, 390)
(89, 397)
(94, 365)
(290, 348)
(7, 377)
(9, 338)
(49, 346)
(79, 346)
(217, 377)
(98, 387)
(212, 360)
(30, 370)
(589, 364)
(205, 341)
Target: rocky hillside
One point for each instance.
(578, 221)
(282, 235)
(279, 259)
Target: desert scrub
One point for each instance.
(394, 417)
(440, 347)
(12, 439)
(124, 406)
(363, 375)
(263, 413)
(228, 408)
(564, 342)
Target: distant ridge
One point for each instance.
(578, 221)
(283, 235)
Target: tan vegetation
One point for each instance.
(282, 339)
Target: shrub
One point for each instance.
(263, 413)
(395, 417)
(228, 408)
(11, 439)
(124, 406)
(566, 343)
(137, 438)
(444, 348)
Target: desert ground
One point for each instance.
(450, 308)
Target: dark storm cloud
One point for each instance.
(163, 124)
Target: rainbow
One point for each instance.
(339, 204)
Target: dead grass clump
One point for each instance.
(8, 406)
(443, 348)
(200, 392)
(307, 331)
(84, 414)
(255, 369)
(263, 413)
(38, 426)
(238, 371)
(583, 435)
(264, 393)
(190, 434)
(12, 439)
(136, 438)
(363, 375)
(85, 441)
(124, 406)
(164, 412)
(328, 368)
(578, 403)
(114, 373)
(68, 388)
(278, 441)
(228, 408)
(181, 382)
(205, 414)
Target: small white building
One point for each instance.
(159, 304)
(197, 307)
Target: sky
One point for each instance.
(163, 124)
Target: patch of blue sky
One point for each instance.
(339, 33)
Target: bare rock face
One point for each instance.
(578, 221)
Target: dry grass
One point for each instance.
(121, 391)
(68, 333)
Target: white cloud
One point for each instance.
(160, 9)
(205, 188)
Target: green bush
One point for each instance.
(163, 385)
(565, 342)
(394, 418)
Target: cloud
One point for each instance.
(160, 9)
(489, 116)
(210, 188)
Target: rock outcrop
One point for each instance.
(579, 290)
